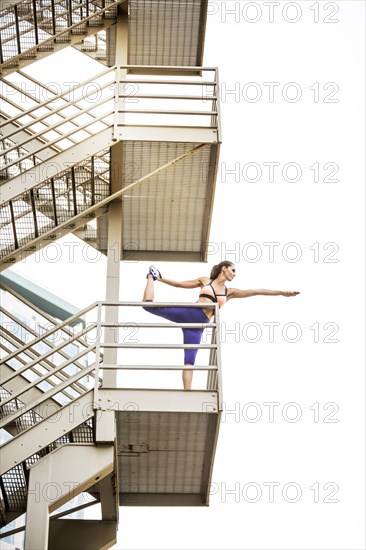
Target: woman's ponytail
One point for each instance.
(216, 270)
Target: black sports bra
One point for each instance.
(216, 298)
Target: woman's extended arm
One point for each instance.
(195, 283)
(236, 293)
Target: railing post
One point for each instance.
(69, 15)
(97, 355)
(53, 16)
(1, 51)
(218, 118)
(17, 28)
(218, 357)
(116, 103)
(92, 178)
(54, 204)
(73, 184)
(35, 21)
(34, 212)
(16, 243)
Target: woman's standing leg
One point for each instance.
(190, 336)
(187, 376)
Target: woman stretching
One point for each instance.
(214, 290)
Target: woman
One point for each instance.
(213, 290)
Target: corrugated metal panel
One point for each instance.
(166, 33)
(173, 451)
(167, 213)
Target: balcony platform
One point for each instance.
(166, 442)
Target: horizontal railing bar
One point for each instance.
(180, 127)
(45, 376)
(168, 112)
(180, 97)
(51, 331)
(46, 395)
(157, 325)
(180, 82)
(158, 346)
(158, 367)
(183, 68)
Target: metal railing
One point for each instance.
(25, 414)
(92, 104)
(53, 202)
(88, 107)
(143, 100)
(46, 362)
(95, 338)
(73, 115)
(29, 26)
(107, 329)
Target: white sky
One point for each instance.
(312, 215)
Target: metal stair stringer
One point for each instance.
(56, 164)
(47, 431)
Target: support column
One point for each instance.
(115, 243)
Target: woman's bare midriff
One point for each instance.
(209, 311)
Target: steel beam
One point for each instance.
(189, 134)
(115, 223)
(109, 497)
(58, 478)
(200, 401)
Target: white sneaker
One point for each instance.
(154, 272)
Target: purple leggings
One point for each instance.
(184, 315)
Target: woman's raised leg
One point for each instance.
(149, 289)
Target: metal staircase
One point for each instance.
(32, 29)
(41, 202)
(107, 158)
(171, 434)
